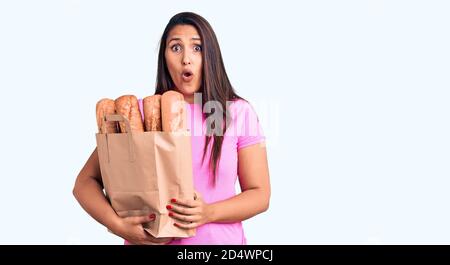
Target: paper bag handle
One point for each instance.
(117, 117)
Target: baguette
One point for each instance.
(128, 106)
(152, 113)
(173, 112)
(105, 107)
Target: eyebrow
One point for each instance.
(178, 38)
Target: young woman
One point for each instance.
(223, 150)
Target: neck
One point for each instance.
(189, 99)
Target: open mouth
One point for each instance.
(187, 75)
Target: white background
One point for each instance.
(357, 126)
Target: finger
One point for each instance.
(157, 242)
(163, 240)
(185, 202)
(148, 242)
(182, 210)
(143, 219)
(184, 218)
(186, 225)
(160, 240)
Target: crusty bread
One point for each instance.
(173, 112)
(152, 113)
(105, 107)
(128, 106)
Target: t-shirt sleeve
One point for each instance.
(247, 125)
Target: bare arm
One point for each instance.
(88, 191)
(255, 185)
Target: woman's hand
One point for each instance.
(131, 229)
(189, 213)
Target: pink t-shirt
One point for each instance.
(244, 131)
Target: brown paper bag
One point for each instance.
(142, 171)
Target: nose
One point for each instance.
(186, 59)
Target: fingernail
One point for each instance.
(170, 214)
(169, 207)
(173, 200)
(152, 215)
(175, 224)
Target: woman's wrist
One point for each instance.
(211, 213)
(115, 225)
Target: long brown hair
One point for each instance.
(215, 85)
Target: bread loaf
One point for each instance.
(152, 113)
(105, 107)
(173, 112)
(128, 106)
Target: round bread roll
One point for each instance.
(152, 113)
(173, 111)
(128, 106)
(105, 107)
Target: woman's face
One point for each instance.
(184, 60)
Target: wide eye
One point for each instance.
(175, 48)
(198, 48)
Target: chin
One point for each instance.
(187, 90)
